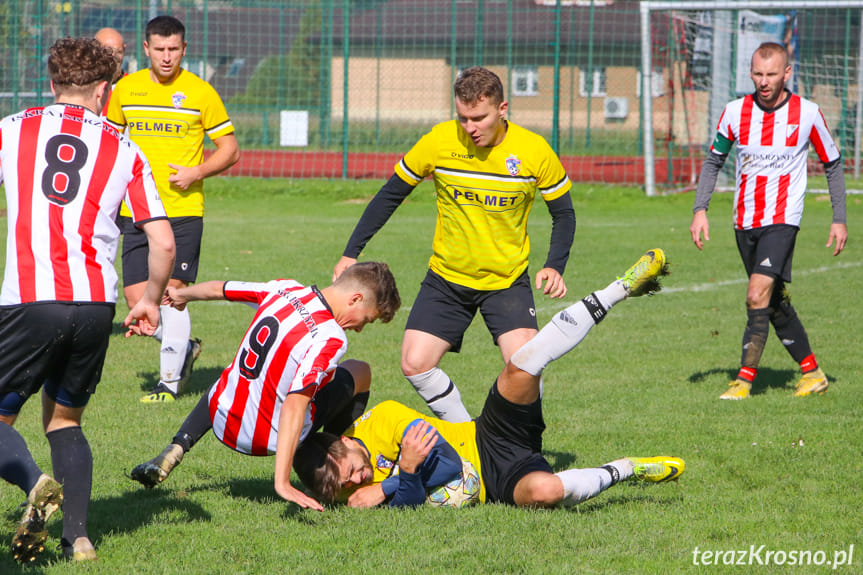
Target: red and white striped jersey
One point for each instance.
(66, 172)
(293, 345)
(772, 148)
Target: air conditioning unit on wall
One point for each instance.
(616, 108)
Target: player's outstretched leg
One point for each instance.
(583, 484)
(570, 326)
(43, 500)
(152, 473)
(196, 425)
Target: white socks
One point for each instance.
(582, 484)
(176, 331)
(440, 394)
(567, 329)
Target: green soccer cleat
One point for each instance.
(643, 277)
(155, 471)
(657, 469)
(43, 500)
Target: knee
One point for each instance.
(415, 363)
(545, 493)
(361, 372)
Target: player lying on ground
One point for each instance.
(500, 450)
(285, 380)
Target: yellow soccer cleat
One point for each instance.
(159, 394)
(643, 277)
(737, 389)
(814, 382)
(657, 469)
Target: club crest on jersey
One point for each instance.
(382, 462)
(178, 99)
(513, 165)
(790, 129)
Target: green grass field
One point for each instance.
(773, 470)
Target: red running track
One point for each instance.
(379, 166)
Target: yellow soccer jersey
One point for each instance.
(168, 122)
(381, 429)
(484, 196)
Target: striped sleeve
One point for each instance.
(246, 292)
(822, 140)
(142, 196)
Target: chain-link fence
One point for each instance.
(342, 88)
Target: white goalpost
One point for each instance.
(723, 43)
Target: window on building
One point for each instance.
(525, 81)
(597, 81)
(657, 81)
(235, 67)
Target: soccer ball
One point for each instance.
(460, 492)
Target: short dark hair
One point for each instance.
(768, 49)
(315, 462)
(165, 26)
(377, 279)
(476, 83)
(79, 63)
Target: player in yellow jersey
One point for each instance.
(487, 172)
(504, 444)
(167, 111)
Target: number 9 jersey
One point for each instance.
(71, 172)
(293, 345)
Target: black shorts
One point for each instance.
(445, 309)
(60, 345)
(509, 440)
(768, 250)
(188, 232)
(332, 398)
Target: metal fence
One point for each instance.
(342, 88)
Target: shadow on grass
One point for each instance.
(652, 499)
(560, 460)
(767, 378)
(122, 514)
(202, 379)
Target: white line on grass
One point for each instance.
(714, 285)
(701, 287)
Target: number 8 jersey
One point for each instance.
(293, 345)
(66, 172)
